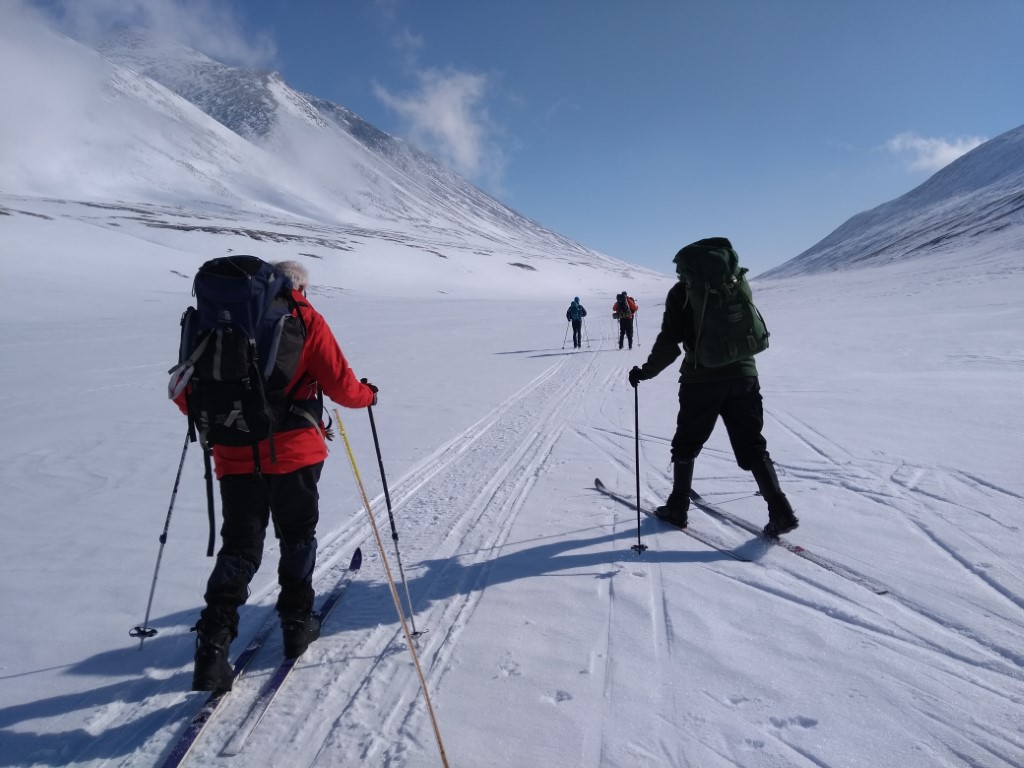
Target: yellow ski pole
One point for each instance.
(394, 590)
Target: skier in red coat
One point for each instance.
(285, 490)
(623, 310)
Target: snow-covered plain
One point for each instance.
(892, 410)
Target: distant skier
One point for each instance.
(575, 314)
(623, 310)
(730, 390)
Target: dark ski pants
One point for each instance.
(577, 339)
(249, 503)
(738, 402)
(626, 331)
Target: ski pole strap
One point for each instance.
(209, 499)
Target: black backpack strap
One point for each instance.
(297, 409)
(209, 499)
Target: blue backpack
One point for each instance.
(240, 347)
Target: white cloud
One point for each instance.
(446, 115)
(408, 46)
(205, 25)
(930, 155)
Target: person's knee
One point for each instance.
(228, 585)
(684, 453)
(748, 460)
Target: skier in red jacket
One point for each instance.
(623, 310)
(285, 490)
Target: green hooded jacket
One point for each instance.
(677, 328)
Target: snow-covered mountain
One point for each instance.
(977, 199)
(385, 177)
(145, 125)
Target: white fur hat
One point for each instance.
(295, 272)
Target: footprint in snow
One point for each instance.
(557, 697)
(508, 668)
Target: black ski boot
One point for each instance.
(781, 518)
(299, 632)
(212, 670)
(676, 506)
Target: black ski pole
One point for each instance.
(391, 517)
(144, 630)
(567, 324)
(639, 546)
(637, 321)
(586, 332)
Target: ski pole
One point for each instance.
(394, 591)
(639, 546)
(637, 321)
(567, 323)
(391, 518)
(144, 630)
(586, 333)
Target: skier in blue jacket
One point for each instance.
(575, 314)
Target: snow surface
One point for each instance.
(892, 410)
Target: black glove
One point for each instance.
(372, 389)
(635, 376)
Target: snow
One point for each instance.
(891, 410)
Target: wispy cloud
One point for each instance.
(923, 154)
(408, 47)
(205, 25)
(445, 110)
(447, 115)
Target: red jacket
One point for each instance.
(321, 362)
(630, 302)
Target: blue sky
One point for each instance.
(637, 126)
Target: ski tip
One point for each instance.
(357, 559)
(598, 483)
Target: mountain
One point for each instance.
(379, 174)
(153, 126)
(976, 200)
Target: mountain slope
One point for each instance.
(376, 174)
(203, 147)
(977, 198)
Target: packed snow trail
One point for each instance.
(190, 737)
(353, 698)
(453, 513)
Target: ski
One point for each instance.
(187, 740)
(700, 536)
(183, 746)
(823, 562)
(276, 681)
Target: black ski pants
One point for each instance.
(738, 402)
(626, 330)
(577, 339)
(291, 500)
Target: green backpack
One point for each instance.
(728, 326)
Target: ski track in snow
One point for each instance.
(844, 471)
(1001, 658)
(457, 508)
(901, 625)
(888, 487)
